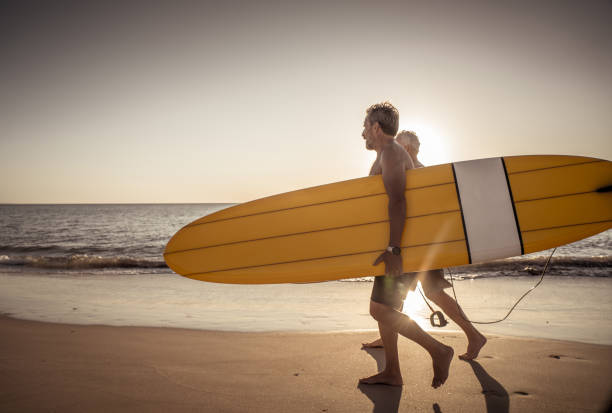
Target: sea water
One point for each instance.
(103, 264)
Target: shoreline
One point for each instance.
(70, 367)
(567, 309)
(373, 331)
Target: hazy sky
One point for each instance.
(230, 101)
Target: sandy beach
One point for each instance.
(63, 367)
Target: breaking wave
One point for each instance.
(76, 261)
(513, 267)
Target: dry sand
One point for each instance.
(65, 368)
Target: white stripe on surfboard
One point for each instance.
(488, 214)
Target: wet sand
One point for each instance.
(62, 367)
(562, 308)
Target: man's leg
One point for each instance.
(378, 343)
(400, 291)
(391, 374)
(450, 307)
(394, 322)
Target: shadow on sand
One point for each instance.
(377, 354)
(496, 397)
(386, 399)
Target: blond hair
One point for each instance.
(409, 138)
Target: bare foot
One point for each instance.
(441, 365)
(474, 346)
(383, 378)
(374, 344)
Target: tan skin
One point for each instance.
(475, 339)
(393, 162)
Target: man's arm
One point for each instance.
(394, 179)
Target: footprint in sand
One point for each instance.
(558, 357)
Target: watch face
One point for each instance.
(396, 251)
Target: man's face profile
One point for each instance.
(368, 134)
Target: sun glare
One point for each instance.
(415, 308)
(434, 148)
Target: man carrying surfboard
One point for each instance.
(379, 128)
(433, 281)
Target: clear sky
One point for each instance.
(230, 101)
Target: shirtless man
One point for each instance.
(392, 161)
(433, 282)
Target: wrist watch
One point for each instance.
(394, 250)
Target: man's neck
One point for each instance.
(384, 141)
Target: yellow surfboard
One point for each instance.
(457, 214)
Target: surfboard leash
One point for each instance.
(515, 304)
(435, 315)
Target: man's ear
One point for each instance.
(376, 127)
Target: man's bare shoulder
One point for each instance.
(392, 151)
(395, 154)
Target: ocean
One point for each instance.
(91, 239)
(130, 239)
(103, 264)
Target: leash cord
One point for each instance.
(515, 304)
(426, 301)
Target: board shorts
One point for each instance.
(392, 291)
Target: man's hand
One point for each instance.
(393, 263)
